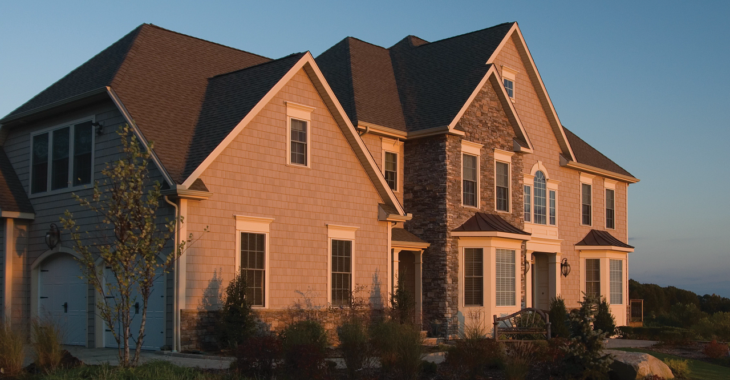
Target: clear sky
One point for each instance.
(645, 82)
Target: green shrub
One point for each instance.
(604, 319)
(257, 358)
(305, 345)
(626, 332)
(237, 322)
(403, 303)
(12, 350)
(680, 368)
(46, 344)
(716, 326)
(429, 368)
(355, 345)
(559, 318)
(469, 358)
(584, 357)
(516, 369)
(400, 348)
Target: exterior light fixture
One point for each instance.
(565, 267)
(527, 264)
(99, 128)
(53, 236)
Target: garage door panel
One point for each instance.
(63, 297)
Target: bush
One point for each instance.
(257, 358)
(403, 304)
(559, 318)
(12, 350)
(400, 348)
(716, 326)
(355, 345)
(516, 369)
(429, 368)
(469, 358)
(626, 332)
(679, 368)
(676, 336)
(46, 344)
(584, 356)
(715, 350)
(604, 319)
(304, 345)
(237, 322)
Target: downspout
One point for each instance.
(175, 317)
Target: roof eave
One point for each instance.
(409, 244)
(183, 193)
(498, 234)
(58, 106)
(17, 215)
(603, 248)
(595, 170)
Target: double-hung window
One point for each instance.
(586, 204)
(470, 180)
(593, 277)
(253, 267)
(391, 170)
(502, 174)
(505, 279)
(299, 141)
(610, 220)
(617, 282)
(341, 272)
(473, 277)
(62, 158)
(509, 79)
(528, 203)
(553, 206)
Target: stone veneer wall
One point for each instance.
(433, 195)
(198, 327)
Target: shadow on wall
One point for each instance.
(213, 294)
(208, 313)
(376, 298)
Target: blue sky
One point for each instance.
(647, 83)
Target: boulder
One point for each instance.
(637, 365)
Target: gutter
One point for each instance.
(592, 169)
(48, 107)
(181, 192)
(176, 316)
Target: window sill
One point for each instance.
(504, 212)
(298, 166)
(468, 206)
(60, 191)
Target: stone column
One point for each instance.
(418, 260)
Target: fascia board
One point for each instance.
(599, 171)
(603, 248)
(491, 234)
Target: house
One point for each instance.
(507, 196)
(442, 166)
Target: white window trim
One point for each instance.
(255, 225)
(471, 149)
(605, 208)
(303, 113)
(517, 284)
(556, 207)
(605, 255)
(505, 157)
(511, 75)
(462, 276)
(586, 179)
(524, 196)
(394, 146)
(343, 233)
(70, 188)
(623, 275)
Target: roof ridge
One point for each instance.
(599, 152)
(463, 34)
(365, 42)
(201, 39)
(261, 64)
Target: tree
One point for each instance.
(584, 356)
(604, 319)
(129, 242)
(237, 322)
(559, 318)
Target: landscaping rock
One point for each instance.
(637, 365)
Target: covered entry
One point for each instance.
(408, 265)
(63, 297)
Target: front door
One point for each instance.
(540, 282)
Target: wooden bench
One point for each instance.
(528, 321)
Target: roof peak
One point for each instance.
(300, 54)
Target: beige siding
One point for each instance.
(374, 143)
(251, 178)
(546, 149)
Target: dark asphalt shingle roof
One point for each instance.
(400, 234)
(161, 78)
(482, 222)
(586, 154)
(12, 194)
(599, 238)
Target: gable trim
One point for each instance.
(493, 77)
(308, 63)
(592, 169)
(547, 102)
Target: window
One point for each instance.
(610, 209)
(469, 180)
(502, 174)
(299, 142)
(510, 87)
(52, 154)
(473, 277)
(253, 266)
(528, 197)
(593, 277)
(617, 282)
(341, 272)
(506, 277)
(586, 204)
(552, 208)
(540, 209)
(391, 170)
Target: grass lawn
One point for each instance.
(700, 370)
(157, 370)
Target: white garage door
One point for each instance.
(63, 297)
(154, 327)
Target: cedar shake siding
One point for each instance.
(251, 178)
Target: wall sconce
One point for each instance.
(99, 128)
(565, 267)
(53, 236)
(527, 264)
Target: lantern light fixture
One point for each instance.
(564, 267)
(53, 236)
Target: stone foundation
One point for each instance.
(198, 327)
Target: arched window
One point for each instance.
(540, 204)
